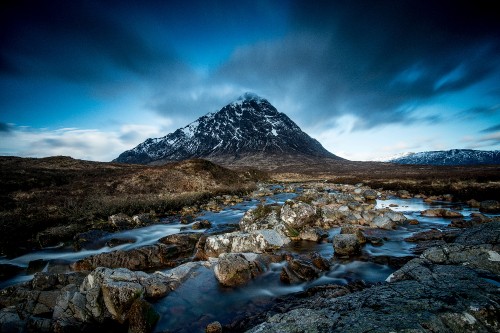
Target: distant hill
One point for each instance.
(248, 130)
(451, 157)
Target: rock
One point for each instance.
(413, 222)
(404, 194)
(185, 241)
(89, 239)
(10, 320)
(203, 224)
(483, 257)
(474, 203)
(214, 327)
(118, 297)
(420, 297)
(142, 317)
(383, 222)
(440, 212)
(487, 233)
(370, 194)
(35, 266)
(235, 269)
(314, 234)
(297, 214)
(55, 235)
(258, 241)
(114, 242)
(146, 257)
(490, 206)
(264, 217)
(346, 244)
(305, 270)
(144, 219)
(122, 221)
(355, 230)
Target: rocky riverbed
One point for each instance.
(303, 257)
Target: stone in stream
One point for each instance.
(346, 244)
(440, 212)
(146, 257)
(297, 214)
(121, 221)
(258, 241)
(370, 194)
(314, 234)
(235, 269)
(490, 206)
(202, 224)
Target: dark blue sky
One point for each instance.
(366, 78)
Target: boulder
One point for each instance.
(122, 221)
(370, 194)
(264, 217)
(119, 296)
(490, 206)
(314, 234)
(214, 327)
(235, 269)
(383, 222)
(404, 194)
(440, 212)
(146, 257)
(258, 241)
(142, 317)
(297, 214)
(474, 203)
(202, 224)
(355, 230)
(144, 219)
(346, 244)
(90, 239)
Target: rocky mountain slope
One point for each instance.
(451, 157)
(249, 127)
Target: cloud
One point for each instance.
(88, 144)
(5, 128)
(78, 41)
(488, 141)
(494, 128)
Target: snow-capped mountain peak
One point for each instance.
(247, 126)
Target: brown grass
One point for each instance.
(36, 194)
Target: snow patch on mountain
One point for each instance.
(450, 157)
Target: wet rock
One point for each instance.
(258, 241)
(191, 210)
(144, 219)
(114, 242)
(314, 234)
(483, 257)
(433, 234)
(474, 203)
(55, 235)
(146, 257)
(346, 244)
(487, 233)
(10, 320)
(370, 194)
(89, 239)
(383, 222)
(413, 222)
(319, 262)
(440, 212)
(142, 317)
(202, 224)
(490, 206)
(355, 230)
(297, 214)
(403, 194)
(118, 297)
(214, 327)
(186, 241)
(35, 266)
(234, 269)
(305, 270)
(121, 221)
(263, 217)
(421, 296)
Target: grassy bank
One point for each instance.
(37, 194)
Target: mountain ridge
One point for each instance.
(246, 127)
(451, 157)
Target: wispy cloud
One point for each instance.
(89, 144)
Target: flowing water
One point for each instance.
(201, 300)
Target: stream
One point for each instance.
(201, 299)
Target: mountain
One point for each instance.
(249, 130)
(451, 157)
